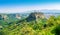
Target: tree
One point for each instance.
(56, 30)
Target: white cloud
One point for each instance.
(28, 8)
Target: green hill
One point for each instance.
(32, 25)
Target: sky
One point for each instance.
(17, 6)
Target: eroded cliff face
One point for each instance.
(18, 16)
(35, 16)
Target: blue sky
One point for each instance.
(11, 6)
(27, 2)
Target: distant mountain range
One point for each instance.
(51, 11)
(43, 10)
(14, 16)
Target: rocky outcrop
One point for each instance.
(18, 16)
(1, 17)
(35, 16)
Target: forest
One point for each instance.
(42, 26)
